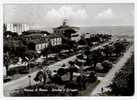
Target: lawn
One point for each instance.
(89, 89)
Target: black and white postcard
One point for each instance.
(68, 49)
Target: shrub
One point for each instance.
(99, 67)
(107, 65)
(92, 77)
(61, 71)
(123, 82)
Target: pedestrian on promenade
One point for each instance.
(102, 90)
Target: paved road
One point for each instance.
(108, 78)
(24, 81)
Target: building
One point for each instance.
(19, 28)
(75, 37)
(65, 30)
(42, 41)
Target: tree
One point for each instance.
(81, 81)
(120, 84)
(82, 41)
(119, 47)
(89, 42)
(31, 46)
(7, 33)
(11, 34)
(20, 50)
(30, 54)
(61, 71)
(6, 62)
(72, 69)
(99, 67)
(80, 60)
(41, 75)
(47, 50)
(123, 82)
(96, 56)
(15, 35)
(6, 47)
(44, 52)
(108, 50)
(71, 45)
(56, 79)
(71, 85)
(92, 77)
(95, 38)
(68, 32)
(107, 65)
(87, 53)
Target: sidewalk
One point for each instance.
(111, 74)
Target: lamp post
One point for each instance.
(29, 76)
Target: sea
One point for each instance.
(113, 30)
(123, 31)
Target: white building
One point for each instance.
(42, 44)
(42, 41)
(19, 28)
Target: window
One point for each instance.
(52, 42)
(59, 41)
(55, 42)
(46, 45)
(43, 46)
(37, 47)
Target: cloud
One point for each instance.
(56, 16)
(108, 13)
(77, 15)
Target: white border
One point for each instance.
(62, 1)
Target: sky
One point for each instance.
(51, 15)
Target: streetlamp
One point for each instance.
(29, 76)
